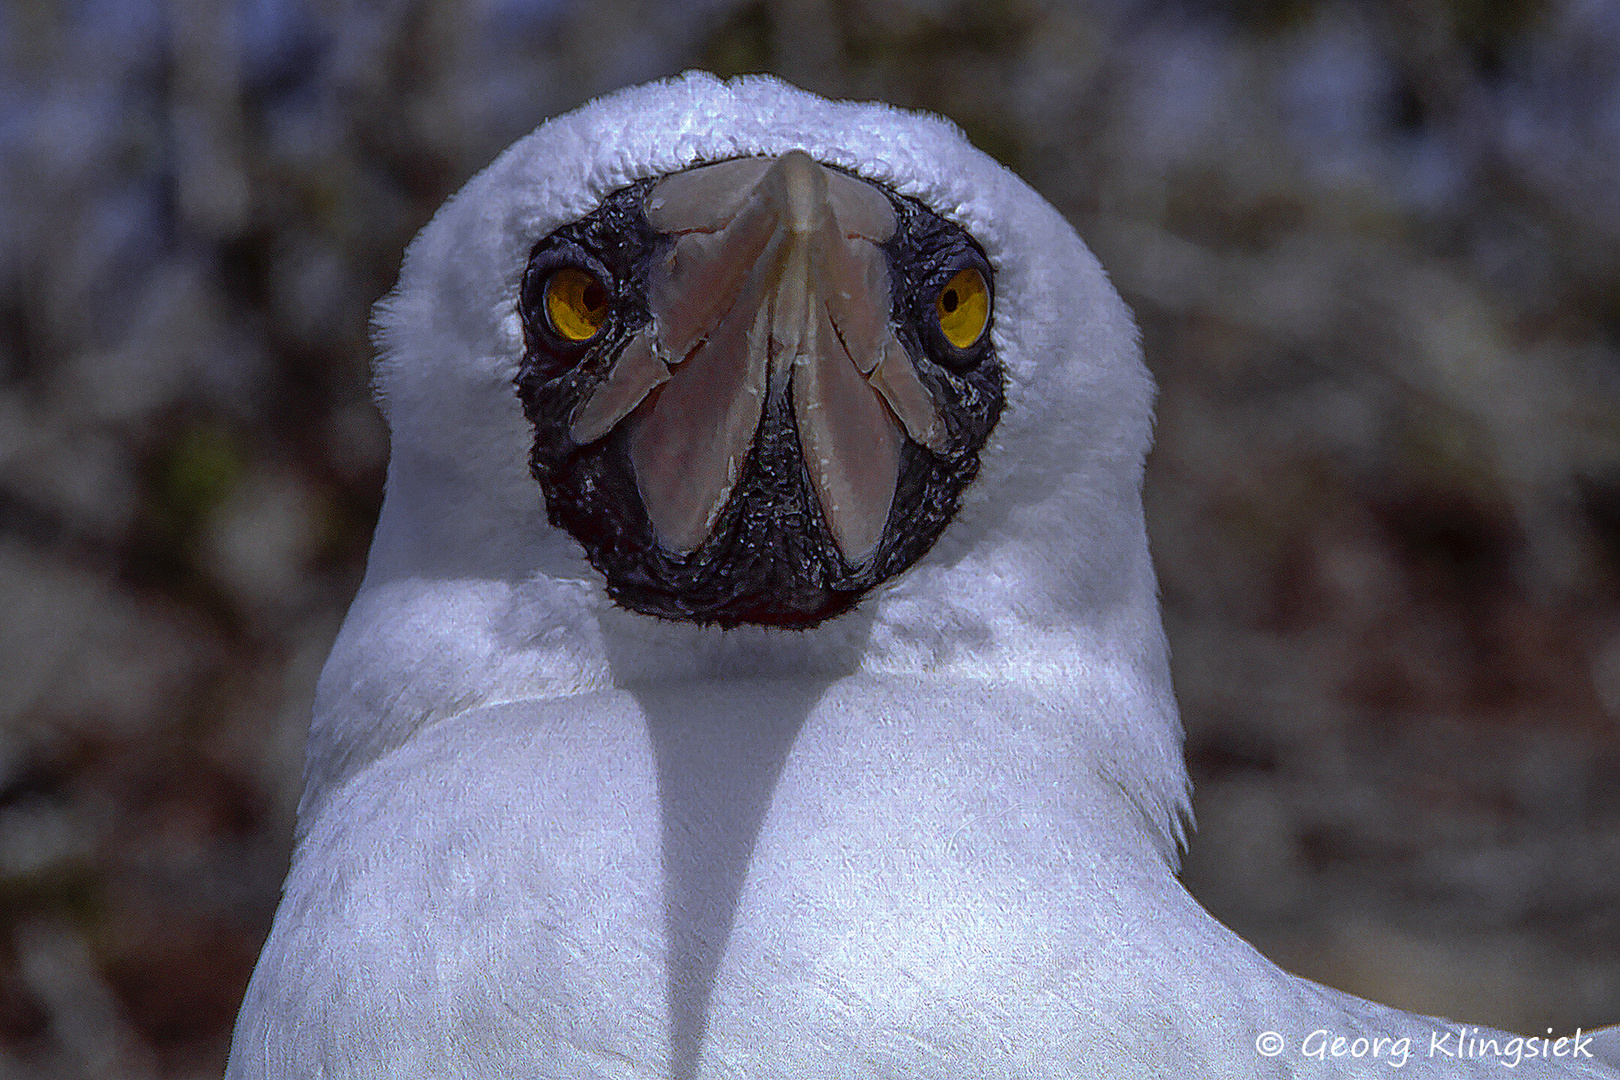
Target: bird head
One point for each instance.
(755, 357)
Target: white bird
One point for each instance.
(758, 670)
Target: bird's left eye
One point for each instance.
(963, 308)
(576, 303)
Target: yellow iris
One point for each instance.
(963, 308)
(576, 303)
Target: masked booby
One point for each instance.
(758, 670)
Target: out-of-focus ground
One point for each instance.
(1375, 251)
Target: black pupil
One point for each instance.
(594, 296)
(948, 301)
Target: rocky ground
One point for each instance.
(1375, 251)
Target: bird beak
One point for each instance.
(775, 289)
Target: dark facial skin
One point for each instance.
(770, 558)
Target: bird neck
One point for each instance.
(487, 603)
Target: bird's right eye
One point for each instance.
(575, 303)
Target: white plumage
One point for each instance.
(544, 836)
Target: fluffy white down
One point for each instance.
(545, 837)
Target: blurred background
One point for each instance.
(1375, 252)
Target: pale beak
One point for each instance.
(776, 285)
